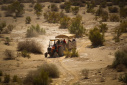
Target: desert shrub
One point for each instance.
(0, 80)
(43, 75)
(123, 12)
(76, 27)
(7, 41)
(120, 58)
(4, 8)
(15, 78)
(28, 20)
(104, 16)
(8, 29)
(6, 78)
(109, 4)
(113, 9)
(2, 25)
(114, 18)
(52, 70)
(123, 78)
(96, 37)
(75, 10)
(62, 6)
(78, 2)
(64, 22)
(17, 8)
(90, 7)
(67, 6)
(103, 27)
(123, 26)
(29, 46)
(38, 9)
(67, 53)
(74, 53)
(34, 31)
(24, 53)
(54, 8)
(103, 4)
(52, 17)
(85, 73)
(9, 55)
(99, 11)
(118, 32)
(1, 73)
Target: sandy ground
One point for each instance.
(95, 60)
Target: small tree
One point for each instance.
(75, 10)
(28, 20)
(96, 37)
(76, 27)
(38, 9)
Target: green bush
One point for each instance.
(103, 27)
(54, 8)
(76, 27)
(9, 55)
(67, 6)
(30, 46)
(24, 53)
(34, 31)
(75, 10)
(28, 20)
(123, 78)
(118, 32)
(113, 9)
(15, 78)
(96, 37)
(1, 73)
(114, 18)
(64, 22)
(38, 9)
(6, 78)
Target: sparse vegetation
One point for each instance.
(17, 8)
(96, 37)
(28, 20)
(76, 27)
(67, 53)
(74, 53)
(6, 78)
(85, 73)
(30, 46)
(15, 78)
(34, 31)
(103, 27)
(120, 58)
(9, 55)
(43, 75)
(38, 9)
(54, 8)
(104, 16)
(64, 22)
(67, 6)
(123, 12)
(113, 9)
(123, 78)
(118, 34)
(75, 10)
(114, 18)
(7, 41)
(24, 53)
(8, 29)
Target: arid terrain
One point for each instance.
(94, 60)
